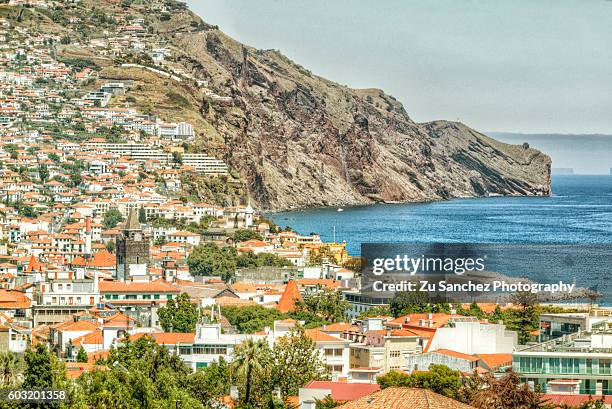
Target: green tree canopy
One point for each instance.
(112, 218)
(179, 315)
(81, 355)
(296, 362)
(245, 234)
(328, 304)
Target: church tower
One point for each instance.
(132, 251)
(248, 214)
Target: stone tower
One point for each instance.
(132, 251)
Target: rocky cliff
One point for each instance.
(299, 140)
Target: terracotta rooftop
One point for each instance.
(288, 300)
(495, 361)
(167, 338)
(456, 354)
(342, 391)
(404, 398)
(320, 336)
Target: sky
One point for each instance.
(531, 66)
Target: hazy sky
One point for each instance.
(515, 65)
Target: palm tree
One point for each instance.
(10, 368)
(249, 358)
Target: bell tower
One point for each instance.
(132, 251)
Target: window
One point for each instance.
(570, 365)
(604, 366)
(156, 297)
(394, 354)
(130, 297)
(146, 296)
(206, 349)
(334, 368)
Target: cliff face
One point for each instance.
(299, 140)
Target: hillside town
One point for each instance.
(102, 247)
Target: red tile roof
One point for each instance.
(167, 338)
(404, 398)
(344, 392)
(571, 401)
(456, 354)
(288, 300)
(495, 361)
(320, 336)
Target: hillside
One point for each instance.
(294, 139)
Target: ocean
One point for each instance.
(578, 212)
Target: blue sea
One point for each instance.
(578, 212)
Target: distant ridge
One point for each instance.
(589, 154)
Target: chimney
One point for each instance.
(407, 320)
(430, 323)
(234, 392)
(429, 316)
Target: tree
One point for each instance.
(209, 259)
(142, 215)
(296, 362)
(476, 311)
(43, 172)
(526, 318)
(382, 311)
(139, 374)
(11, 367)
(179, 315)
(440, 379)
(39, 368)
(328, 305)
(54, 157)
(76, 178)
(593, 404)
(252, 318)
(81, 355)
(506, 392)
(245, 234)
(414, 302)
(393, 378)
(177, 158)
(327, 403)
(207, 384)
(112, 218)
(250, 359)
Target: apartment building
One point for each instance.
(585, 357)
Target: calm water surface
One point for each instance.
(580, 211)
